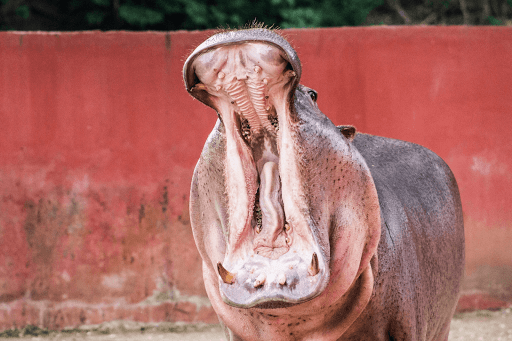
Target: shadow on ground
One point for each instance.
(478, 325)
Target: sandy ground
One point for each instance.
(478, 325)
(482, 325)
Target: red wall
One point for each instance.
(98, 140)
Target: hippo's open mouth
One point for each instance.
(272, 252)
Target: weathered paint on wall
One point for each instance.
(98, 140)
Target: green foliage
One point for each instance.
(140, 16)
(23, 11)
(103, 3)
(95, 17)
(200, 14)
(300, 17)
(493, 21)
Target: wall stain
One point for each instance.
(165, 199)
(168, 41)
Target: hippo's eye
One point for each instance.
(313, 94)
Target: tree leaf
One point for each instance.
(103, 3)
(95, 17)
(140, 16)
(23, 11)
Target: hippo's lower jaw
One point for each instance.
(265, 282)
(272, 254)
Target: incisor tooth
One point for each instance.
(282, 279)
(260, 280)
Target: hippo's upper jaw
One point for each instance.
(271, 253)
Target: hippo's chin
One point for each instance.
(273, 283)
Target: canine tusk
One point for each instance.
(227, 277)
(313, 269)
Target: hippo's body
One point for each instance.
(308, 231)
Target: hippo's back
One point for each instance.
(421, 251)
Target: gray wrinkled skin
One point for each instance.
(310, 231)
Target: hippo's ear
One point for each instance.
(348, 131)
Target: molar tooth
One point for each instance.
(265, 81)
(291, 73)
(268, 108)
(287, 227)
(282, 279)
(257, 69)
(258, 229)
(313, 269)
(227, 277)
(221, 75)
(218, 87)
(287, 240)
(260, 280)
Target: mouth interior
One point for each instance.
(270, 259)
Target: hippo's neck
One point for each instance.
(327, 317)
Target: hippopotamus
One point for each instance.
(307, 230)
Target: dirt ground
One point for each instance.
(478, 325)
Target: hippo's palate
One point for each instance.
(247, 78)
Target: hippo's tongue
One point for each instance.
(267, 258)
(272, 239)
